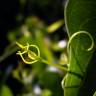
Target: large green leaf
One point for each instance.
(80, 15)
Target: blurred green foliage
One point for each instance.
(37, 79)
(6, 91)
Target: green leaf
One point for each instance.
(46, 92)
(6, 91)
(53, 27)
(80, 15)
(94, 94)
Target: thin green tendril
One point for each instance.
(34, 57)
(82, 32)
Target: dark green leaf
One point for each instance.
(80, 15)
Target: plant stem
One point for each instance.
(55, 65)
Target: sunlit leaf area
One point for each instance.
(24, 23)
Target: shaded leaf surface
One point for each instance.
(80, 16)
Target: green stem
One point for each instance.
(55, 65)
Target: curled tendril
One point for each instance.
(82, 32)
(31, 55)
(35, 57)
